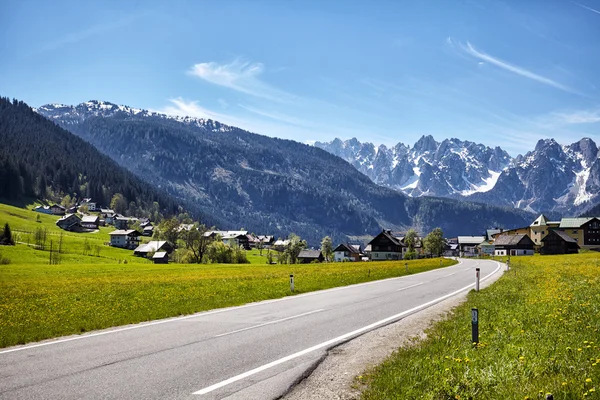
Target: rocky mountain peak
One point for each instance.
(425, 143)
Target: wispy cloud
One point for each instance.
(78, 36)
(473, 52)
(575, 117)
(241, 76)
(586, 7)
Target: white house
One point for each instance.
(126, 239)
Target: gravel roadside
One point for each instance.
(335, 377)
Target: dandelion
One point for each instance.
(564, 383)
(588, 380)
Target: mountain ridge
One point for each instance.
(260, 183)
(474, 172)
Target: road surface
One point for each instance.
(256, 351)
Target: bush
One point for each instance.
(4, 260)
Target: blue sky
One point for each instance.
(493, 72)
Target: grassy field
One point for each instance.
(539, 333)
(88, 292)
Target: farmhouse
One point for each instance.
(90, 221)
(558, 242)
(347, 252)
(89, 203)
(148, 230)
(486, 248)
(57, 209)
(467, 245)
(69, 222)
(280, 245)
(308, 256)
(152, 247)
(123, 222)
(514, 245)
(160, 257)
(386, 246)
(585, 231)
(126, 239)
(540, 228)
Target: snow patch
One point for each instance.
(487, 185)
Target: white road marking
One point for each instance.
(445, 276)
(271, 322)
(201, 314)
(334, 340)
(408, 287)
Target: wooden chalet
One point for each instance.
(160, 257)
(309, 256)
(513, 245)
(347, 252)
(69, 222)
(558, 242)
(144, 250)
(386, 246)
(90, 221)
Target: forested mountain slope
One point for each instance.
(38, 159)
(263, 184)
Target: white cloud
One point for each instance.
(470, 50)
(574, 117)
(587, 8)
(240, 76)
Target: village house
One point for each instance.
(57, 209)
(43, 210)
(91, 205)
(231, 238)
(347, 252)
(309, 256)
(517, 231)
(160, 257)
(69, 222)
(585, 231)
(126, 239)
(514, 245)
(144, 250)
(90, 221)
(280, 245)
(558, 242)
(148, 230)
(124, 222)
(540, 228)
(467, 245)
(486, 248)
(386, 246)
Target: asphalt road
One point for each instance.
(256, 351)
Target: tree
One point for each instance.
(168, 230)
(327, 248)
(294, 248)
(410, 239)
(66, 201)
(434, 242)
(84, 209)
(196, 242)
(118, 203)
(260, 246)
(6, 238)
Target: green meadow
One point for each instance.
(539, 334)
(89, 292)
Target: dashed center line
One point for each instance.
(270, 322)
(408, 287)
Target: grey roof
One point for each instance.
(123, 232)
(67, 216)
(490, 232)
(563, 235)
(397, 240)
(509, 240)
(573, 222)
(540, 221)
(90, 218)
(470, 239)
(309, 254)
(352, 248)
(159, 254)
(154, 245)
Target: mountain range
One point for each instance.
(239, 179)
(551, 178)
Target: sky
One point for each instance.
(499, 73)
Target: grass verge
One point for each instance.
(539, 333)
(44, 301)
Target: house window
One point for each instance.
(574, 232)
(543, 232)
